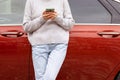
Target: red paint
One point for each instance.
(89, 56)
(14, 56)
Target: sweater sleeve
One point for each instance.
(67, 21)
(30, 25)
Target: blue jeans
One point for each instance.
(47, 60)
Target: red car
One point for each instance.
(93, 51)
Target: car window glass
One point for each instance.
(84, 11)
(11, 11)
(89, 11)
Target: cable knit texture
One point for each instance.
(41, 31)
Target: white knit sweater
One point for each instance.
(41, 31)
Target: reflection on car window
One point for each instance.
(5, 6)
(117, 0)
(89, 11)
(11, 11)
(84, 11)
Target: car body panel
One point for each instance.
(14, 56)
(90, 56)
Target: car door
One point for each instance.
(14, 46)
(14, 53)
(93, 53)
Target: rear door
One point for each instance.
(93, 53)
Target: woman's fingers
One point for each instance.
(53, 15)
(49, 15)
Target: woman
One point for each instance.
(47, 23)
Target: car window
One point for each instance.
(89, 11)
(84, 11)
(11, 11)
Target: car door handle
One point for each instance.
(109, 33)
(12, 33)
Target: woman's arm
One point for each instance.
(30, 25)
(67, 21)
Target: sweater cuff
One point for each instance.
(42, 20)
(58, 19)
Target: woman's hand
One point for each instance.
(49, 15)
(53, 15)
